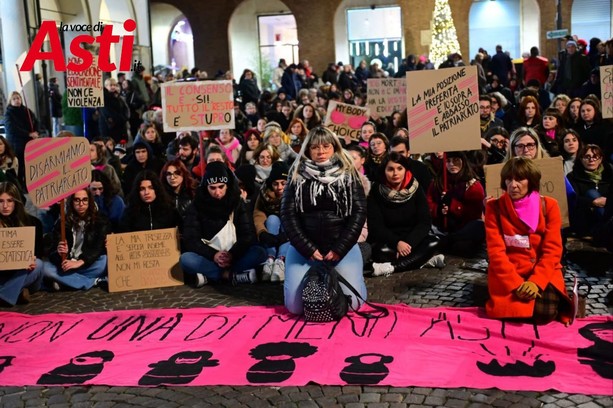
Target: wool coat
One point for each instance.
(510, 264)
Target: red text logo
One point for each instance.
(56, 53)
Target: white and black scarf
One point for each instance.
(399, 196)
(327, 177)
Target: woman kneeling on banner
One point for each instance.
(524, 246)
(323, 210)
(16, 285)
(218, 232)
(79, 262)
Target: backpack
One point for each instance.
(323, 299)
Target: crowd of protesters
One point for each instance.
(297, 193)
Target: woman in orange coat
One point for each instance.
(524, 245)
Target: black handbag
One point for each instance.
(323, 299)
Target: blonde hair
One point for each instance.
(322, 135)
(518, 134)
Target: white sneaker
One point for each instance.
(201, 280)
(267, 269)
(278, 271)
(437, 261)
(247, 276)
(382, 269)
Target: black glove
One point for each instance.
(267, 239)
(282, 238)
(446, 199)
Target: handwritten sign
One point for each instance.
(16, 247)
(606, 90)
(552, 182)
(201, 105)
(84, 88)
(346, 120)
(443, 110)
(387, 95)
(143, 260)
(56, 168)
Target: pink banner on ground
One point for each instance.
(437, 347)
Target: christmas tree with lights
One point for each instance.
(444, 37)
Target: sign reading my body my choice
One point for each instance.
(198, 105)
(443, 110)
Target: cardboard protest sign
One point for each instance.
(443, 110)
(200, 105)
(606, 90)
(16, 247)
(56, 168)
(84, 88)
(553, 182)
(143, 260)
(387, 95)
(346, 120)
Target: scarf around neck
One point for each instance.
(327, 179)
(528, 209)
(596, 175)
(229, 148)
(409, 187)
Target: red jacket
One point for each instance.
(510, 266)
(536, 68)
(466, 205)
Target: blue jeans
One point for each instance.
(82, 278)
(192, 263)
(296, 267)
(273, 225)
(12, 282)
(593, 194)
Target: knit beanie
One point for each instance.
(279, 171)
(216, 172)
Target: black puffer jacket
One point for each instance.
(582, 219)
(319, 227)
(206, 216)
(148, 217)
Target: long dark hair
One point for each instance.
(465, 175)
(107, 188)
(90, 215)
(18, 217)
(135, 204)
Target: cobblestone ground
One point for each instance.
(461, 283)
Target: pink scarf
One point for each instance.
(551, 133)
(528, 209)
(227, 149)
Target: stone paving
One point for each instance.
(461, 283)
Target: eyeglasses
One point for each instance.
(527, 146)
(588, 157)
(80, 200)
(498, 142)
(173, 174)
(95, 189)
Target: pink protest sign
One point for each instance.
(346, 120)
(433, 347)
(200, 105)
(443, 110)
(56, 168)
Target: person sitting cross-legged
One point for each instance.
(218, 234)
